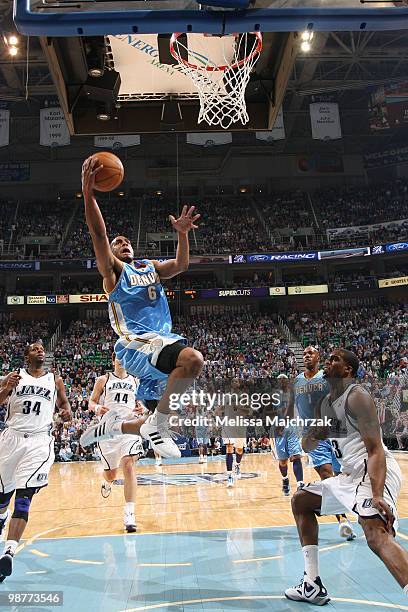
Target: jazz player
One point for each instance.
(368, 485)
(310, 388)
(26, 445)
(140, 315)
(117, 390)
(233, 433)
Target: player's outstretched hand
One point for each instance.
(385, 511)
(186, 220)
(11, 381)
(90, 169)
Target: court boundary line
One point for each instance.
(365, 602)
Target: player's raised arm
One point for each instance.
(108, 265)
(96, 396)
(62, 400)
(182, 226)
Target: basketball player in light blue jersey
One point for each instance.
(310, 387)
(140, 315)
(287, 443)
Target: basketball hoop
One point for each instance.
(221, 86)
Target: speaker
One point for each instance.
(104, 88)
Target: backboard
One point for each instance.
(100, 17)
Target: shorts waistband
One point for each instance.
(27, 434)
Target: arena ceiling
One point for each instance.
(342, 64)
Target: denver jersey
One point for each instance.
(309, 392)
(31, 405)
(138, 304)
(348, 445)
(120, 393)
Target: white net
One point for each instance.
(222, 99)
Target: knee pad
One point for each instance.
(5, 499)
(22, 503)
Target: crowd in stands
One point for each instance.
(236, 342)
(354, 205)
(14, 337)
(378, 335)
(120, 218)
(229, 224)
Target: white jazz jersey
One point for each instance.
(120, 394)
(349, 447)
(31, 405)
(26, 444)
(351, 491)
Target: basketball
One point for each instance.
(112, 173)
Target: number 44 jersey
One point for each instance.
(120, 394)
(31, 404)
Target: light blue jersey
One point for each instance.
(140, 315)
(309, 392)
(138, 304)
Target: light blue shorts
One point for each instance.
(324, 454)
(139, 357)
(287, 445)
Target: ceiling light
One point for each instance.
(305, 46)
(13, 40)
(13, 51)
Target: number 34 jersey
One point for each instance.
(31, 404)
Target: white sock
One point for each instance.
(129, 508)
(3, 516)
(10, 546)
(405, 589)
(311, 557)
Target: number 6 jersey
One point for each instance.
(31, 404)
(138, 304)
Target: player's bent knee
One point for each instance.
(110, 475)
(192, 361)
(5, 499)
(22, 503)
(283, 462)
(375, 534)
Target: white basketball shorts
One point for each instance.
(353, 492)
(25, 460)
(112, 451)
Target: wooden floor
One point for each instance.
(71, 506)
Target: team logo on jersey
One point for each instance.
(143, 280)
(34, 390)
(121, 385)
(367, 503)
(41, 477)
(184, 480)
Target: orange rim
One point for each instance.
(246, 59)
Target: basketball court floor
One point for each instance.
(199, 546)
